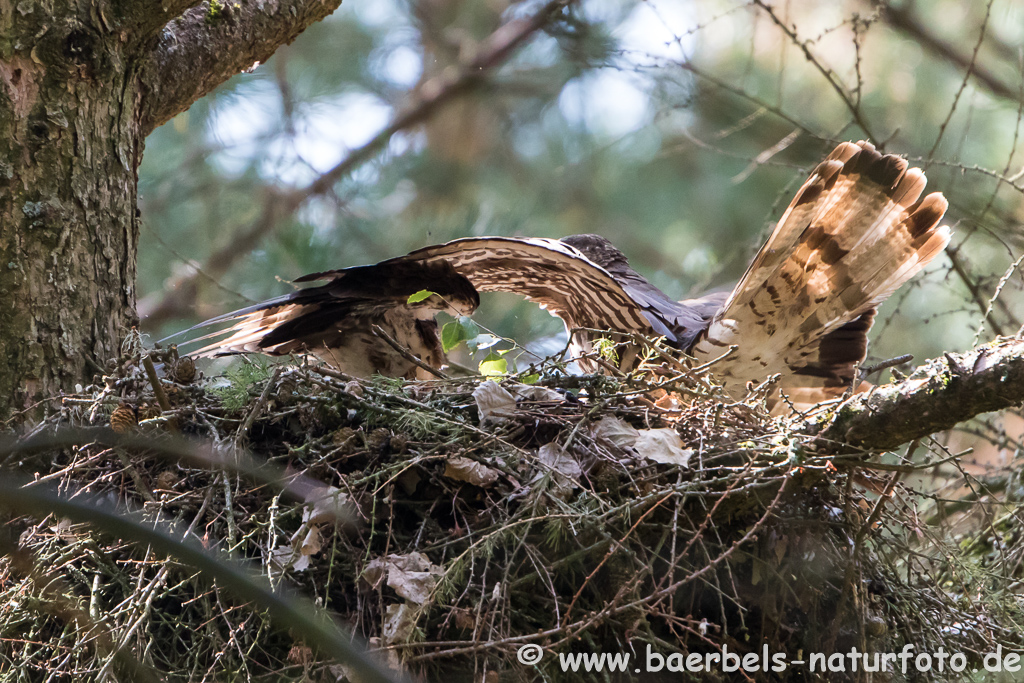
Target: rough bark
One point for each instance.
(938, 396)
(81, 84)
(69, 146)
(210, 50)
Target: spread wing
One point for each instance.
(336, 320)
(548, 272)
(560, 279)
(587, 287)
(583, 279)
(857, 230)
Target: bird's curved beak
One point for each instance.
(460, 308)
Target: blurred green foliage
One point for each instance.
(641, 121)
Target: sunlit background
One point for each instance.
(679, 130)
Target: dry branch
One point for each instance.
(572, 537)
(829, 75)
(903, 19)
(179, 299)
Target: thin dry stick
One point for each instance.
(671, 588)
(616, 544)
(827, 73)
(966, 78)
(973, 288)
(261, 403)
(158, 388)
(885, 365)
(876, 512)
(995, 295)
(406, 353)
(707, 520)
(902, 19)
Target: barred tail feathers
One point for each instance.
(856, 231)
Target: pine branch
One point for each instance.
(210, 43)
(424, 102)
(938, 396)
(903, 20)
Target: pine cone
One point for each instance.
(378, 439)
(149, 411)
(184, 370)
(123, 419)
(166, 480)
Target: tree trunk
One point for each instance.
(81, 85)
(70, 144)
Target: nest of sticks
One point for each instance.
(577, 513)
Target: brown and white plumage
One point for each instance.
(582, 279)
(857, 230)
(335, 321)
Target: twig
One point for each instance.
(765, 156)
(876, 512)
(704, 367)
(827, 73)
(406, 353)
(963, 83)
(616, 544)
(158, 387)
(995, 296)
(261, 403)
(885, 365)
(974, 289)
(902, 19)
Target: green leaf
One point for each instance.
(493, 365)
(482, 341)
(452, 334)
(420, 296)
(532, 378)
(472, 329)
(461, 330)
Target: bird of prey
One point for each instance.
(857, 230)
(342, 321)
(582, 279)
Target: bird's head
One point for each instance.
(599, 250)
(450, 291)
(455, 302)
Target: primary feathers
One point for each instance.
(336, 322)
